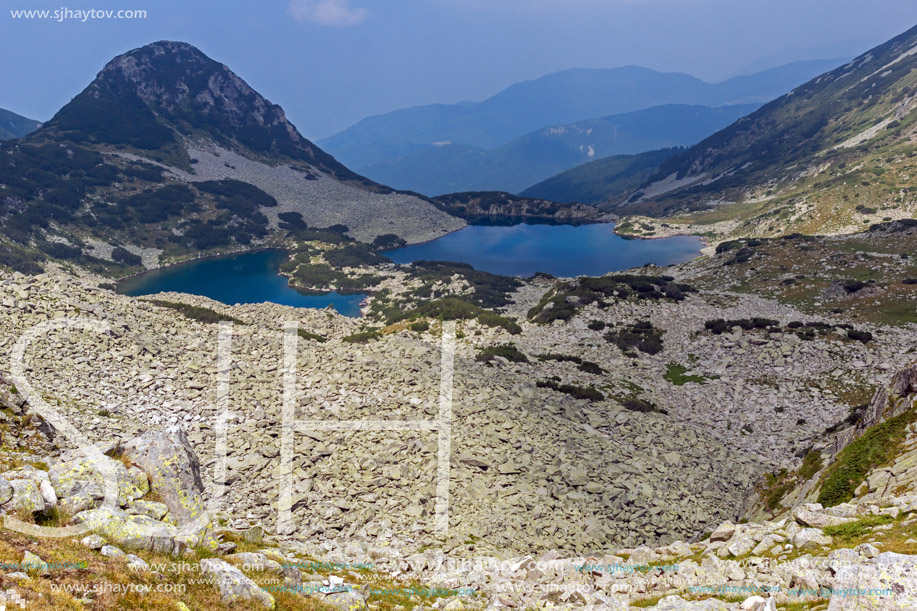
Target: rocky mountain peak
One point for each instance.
(151, 97)
(180, 80)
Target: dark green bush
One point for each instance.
(205, 315)
(292, 221)
(579, 392)
(507, 351)
(860, 336)
(122, 255)
(57, 250)
(311, 336)
(852, 286)
(641, 336)
(388, 241)
(362, 337)
(354, 255)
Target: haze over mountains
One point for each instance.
(15, 126)
(601, 180)
(522, 162)
(829, 156)
(556, 99)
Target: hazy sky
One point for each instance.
(330, 63)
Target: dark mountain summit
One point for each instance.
(147, 97)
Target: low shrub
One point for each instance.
(507, 351)
(420, 326)
(859, 336)
(122, 255)
(311, 336)
(583, 365)
(205, 315)
(578, 392)
(641, 336)
(857, 529)
(362, 337)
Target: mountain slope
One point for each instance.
(534, 157)
(556, 99)
(15, 126)
(834, 153)
(168, 153)
(600, 180)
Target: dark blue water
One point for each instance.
(560, 250)
(245, 278)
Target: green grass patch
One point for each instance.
(877, 446)
(857, 529)
(777, 485)
(675, 374)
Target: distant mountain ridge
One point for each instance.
(534, 157)
(601, 180)
(829, 156)
(556, 99)
(15, 126)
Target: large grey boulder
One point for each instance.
(816, 519)
(886, 582)
(28, 492)
(84, 478)
(347, 601)
(233, 584)
(133, 532)
(6, 491)
(174, 471)
(723, 532)
(810, 537)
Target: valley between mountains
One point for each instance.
(747, 417)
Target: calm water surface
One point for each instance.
(245, 278)
(561, 250)
(518, 250)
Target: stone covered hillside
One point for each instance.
(156, 535)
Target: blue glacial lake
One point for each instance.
(560, 250)
(518, 250)
(244, 278)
